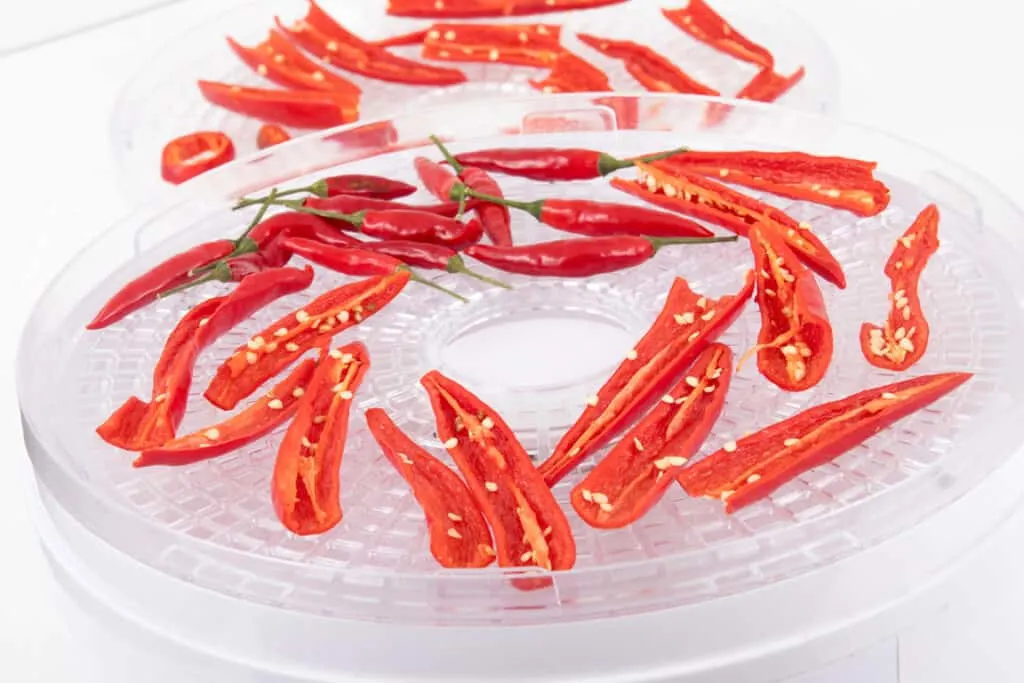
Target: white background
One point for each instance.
(943, 74)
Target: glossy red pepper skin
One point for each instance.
(547, 163)
(295, 108)
(904, 338)
(270, 233)
(635, 474)
(138, 425)
(280, 62)
(530, 529)
(464, 9)
(346, 203)
(362, 185)
(684, 328)
(572, 73)
(459, 535)
(271, 134)
(765, 86)
(257, 420)
(795, 343)
(535, 45)
(417, 226)
(707, 26)
(649, 68)
(755, 466)
(185, 157)
(680, 190)
(437, 179)
(306, 484)
(283, 342)
(597, 219)
(347, 260)
(495, 218)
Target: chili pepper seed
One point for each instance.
(251, 357)
(729, 447)
(753, 478)
(212, 434)
(454, 533)
(889, 396)
(790, 442)
(587, 495)
(487, 423)
(291, 347)
(275, 404)
(490, 486)
(599, 498)
(298, 392)
(454, 517)
(592, 401)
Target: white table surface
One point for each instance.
(939, 73)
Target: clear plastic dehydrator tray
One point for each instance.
(535, 354)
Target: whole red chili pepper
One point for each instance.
(411, 38)
(634, 475)
(185, 157)
(417, 226)
(423, 255)
(529, 526)
(553, 163)
(579, 257)
(275, 229)
(271, 134)
(352, 203)
(707, 26)
(438, 180)
(518, 44)
(649, 68)
(686, 325)
(306, 483)
(750, 469)
(277, 60)
(572, 73)
(459, 9)
(495, 218)
(904, 339)
(296, 108)
(370, 187)
(459, 536)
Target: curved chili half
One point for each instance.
(277, 60)
(572, 73)
(707, 26)
(185, 157)
(296, 108)
(271, 134)
(518, 44)
(650, 69)
(464, 9)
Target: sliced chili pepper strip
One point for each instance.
(313, 325)
(649, 68)
(752, 468)
(553, 163)
(794, 348)
(519, 44)
(765, 86)
(464, 9)
(459, 536)
(572, 73)
(306, 482)
(271, 134)
(185, 157)
(277, 60)
(261, 418)
(635, 474)
(707, 26)
(676, 189)
(686, 325)
(411, 38)
(530, 529)
(296, 108)
(904, 339)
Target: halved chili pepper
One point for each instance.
(277, 60)
(296, 108)
(306, 482)
(411, 38)
(530, 529)
(794, 348)
(321, 35)
(765, 86)
(904, 339)
(459, 9)
(495, 218)
(284, 341)
(680, 190)
(582, 257)
(649, 68)
(750, 469)
(138, 425)
(572, 73)
(707, 26)
(553, 163)
(349, 185)
(519, 44)
(686, 325)
(459, 536)
(271, 134)
(833, 181)
(187, 156)
(634, 475)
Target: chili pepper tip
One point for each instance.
(220, 272)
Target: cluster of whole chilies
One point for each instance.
(661, 402)
(299, 57)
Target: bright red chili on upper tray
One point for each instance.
(185, 157)
(649, 68)
(750, 469)
(271, 134)
(277, 60)
(296, 108)
(554, 163)
(707, 26)
(765, 86)
(904, 338)
(518, 44)
(462, 9)
(459, 536)
(686, 325)
(572, 73)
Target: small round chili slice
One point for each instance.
(271, 134)
(187, 156)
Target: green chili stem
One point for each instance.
(456, 166)
(457, 265)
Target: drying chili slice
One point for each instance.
(752, 468)
(765, 86)
(904, 339)
(553, 163)
(794, 348)
(519, 44)
(463, 9)
(459, 536)
(572, 73)
(530, 529)
(634, 475)
(686, 325)
(296, 108)
(306, 482)
(138, 425)
(411, 38)
(280, 344)
(271, 134)
(649, 68)
(839, 182)
(185, 157)
(277, 60)
(692, 194)
(707, 26)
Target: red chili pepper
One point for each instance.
(766, 86)
(518, 44)
(904, 339)
(459, 536)
(306, 483)
(138, 425)
(686, 325)
(833, 181)
(552, 163)
(277, 60)
(530, 529)
(572, 73)
(423, 255)
(495, 218)
(185, 157)
(649, 68)
(313, 325)
(676, 189)
(296, 108)
(275, 229)
(412, 38)
(328, 40)
(271, 134)
(794, 348)
(417, 226)
(746, 471)
(368, 186)
(635, 474)
(438, 180)
(707, 26)
(354, 203)
(459, 9)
